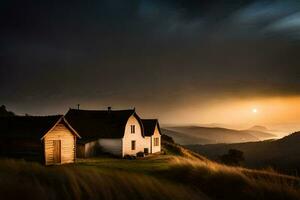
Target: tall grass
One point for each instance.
(25, 180)
(181, 175)
(224, 182)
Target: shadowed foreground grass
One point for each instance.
(25, 180)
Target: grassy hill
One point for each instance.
(212, 135)
(180, 174)
(282, 154)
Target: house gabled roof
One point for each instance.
(63, 119)
(30, 127)
(95, 124)
(149, 126)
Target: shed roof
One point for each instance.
(29, 127)
(149, 126)
(95, 124)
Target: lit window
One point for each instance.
(132, 128)
(133, 145)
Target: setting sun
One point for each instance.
(254, 110)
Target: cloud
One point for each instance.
(147, 52)
(288, 26)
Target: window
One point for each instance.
(156, 142)
(132, 128)
(133, 145)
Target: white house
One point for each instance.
(118, 132)
(152, 136)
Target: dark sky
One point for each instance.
(155, 55)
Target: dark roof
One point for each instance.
(26, 127)
(149, 126)
(94, 124)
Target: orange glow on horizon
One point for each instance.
(240, 113)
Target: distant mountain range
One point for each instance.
(258, 128)
(185, 139)
(211, 135)
(282, 154)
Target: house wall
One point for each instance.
(156, 134)
(147, 143)
(80, 150)
(128, 137)
(91, 149)
(68, 144)
(94, 148)
(112, 146)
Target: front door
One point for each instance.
(146, 151)
(56, 151)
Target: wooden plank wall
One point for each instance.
(68, 144)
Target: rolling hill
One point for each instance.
(261, 132)
(212, 135)
(259, 128)
(282, 154)
(185, 139)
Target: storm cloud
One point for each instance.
(156, 55)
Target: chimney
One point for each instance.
(109, 109)
(78, 106)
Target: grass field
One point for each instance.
(96, 178)
(179, 175)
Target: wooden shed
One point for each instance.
(49, 139)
